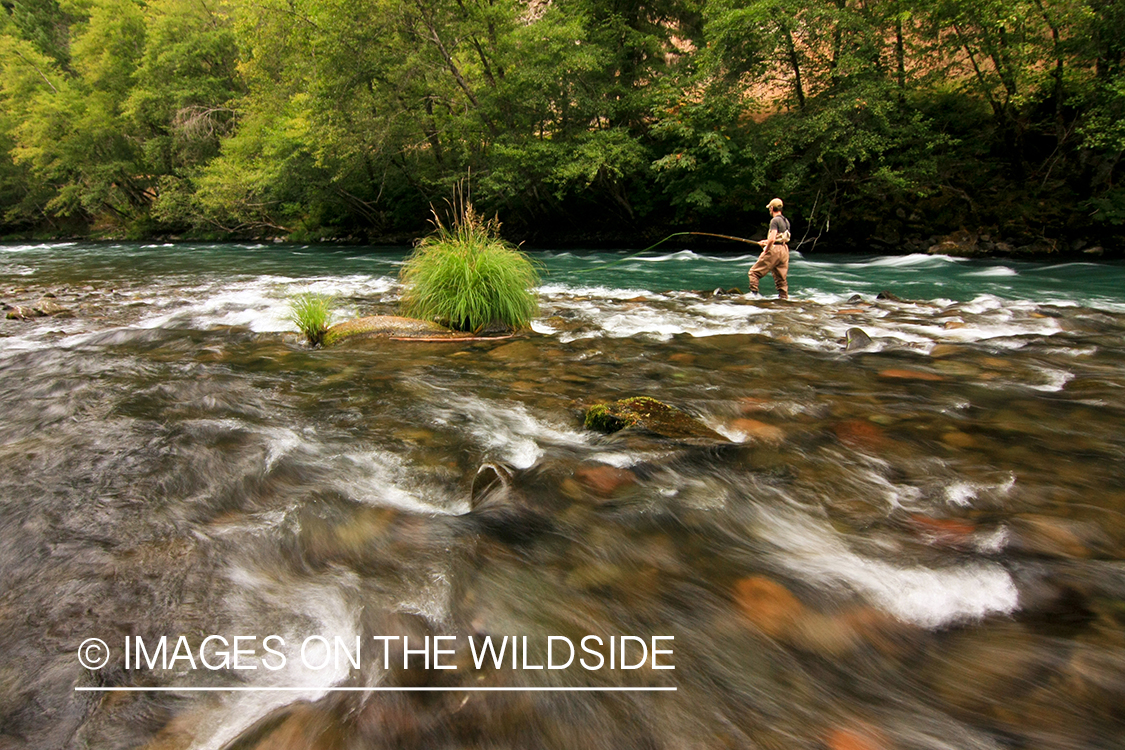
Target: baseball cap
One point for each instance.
(775, 203)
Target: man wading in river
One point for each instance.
(775, 255)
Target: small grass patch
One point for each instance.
(465, 276)
(312, 314)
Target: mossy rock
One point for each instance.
(649, 414)
(387, 326)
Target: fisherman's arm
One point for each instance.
(767, 243)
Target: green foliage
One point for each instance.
(312, 314)
(865, 143)
(699, 170)
(599, 418)
(465, 276)
(45, 24)
(132, 100)
(317, 119)
(1108, 208)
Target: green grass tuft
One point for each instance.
(466, 277)
(312, 314)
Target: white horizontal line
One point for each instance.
(368, 689)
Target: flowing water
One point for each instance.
(914, 544)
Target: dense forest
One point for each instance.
(883, 123)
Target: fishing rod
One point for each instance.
(661, 242)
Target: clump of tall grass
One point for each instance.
(312, 314)
(465, 276)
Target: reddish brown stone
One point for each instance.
(604, 480)
(909, 375)
(859, 433)
(847, 738)
(756, 430)
(947, 531)
(768, 605)
(751, 405)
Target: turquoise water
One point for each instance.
(817, 277)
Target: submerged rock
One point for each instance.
(768, 605)
(605, 481)
(1048, 536)
(491, 479)
(302, 724)
(720, 292)
(861, 434)
(502, 510)
(854, 738)
(773, 610)
(47, 306)
(857, 340)
(754, 429)
(18, 312)
(649, 414)
(904, 374)
(386, 326)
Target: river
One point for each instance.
(919, 543)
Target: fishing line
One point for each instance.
(680, 234)
(661, 242)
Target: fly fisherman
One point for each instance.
(775, 255)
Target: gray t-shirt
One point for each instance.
(781, 224)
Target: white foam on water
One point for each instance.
(677, 255)
(913, 259)
(988, 303)
(669, 316)
(1075, 352)
(963, 492)
(620, 460)
(998, 271)
(993, 543)
(977, 330)
(40, 246)
(617, 314)
(742, 259)
(262, 303)
(833, 299)
(1056, 380)
(280, 442)
(26, 343)
(384, 479)
(665, 325)
(566, 291)
(928, 597)
(252, 598)
(506, 431)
